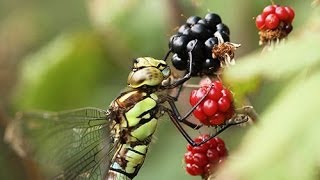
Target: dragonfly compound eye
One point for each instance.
(166, 72)
(150, 76)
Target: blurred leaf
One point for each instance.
(69, 72)
(132, 24)
(287, 138)
(284, 144)
(281, 62)
(243, 89)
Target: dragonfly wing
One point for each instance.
(74, 144)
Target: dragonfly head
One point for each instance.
(148, 71)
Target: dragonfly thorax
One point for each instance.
(149, 72)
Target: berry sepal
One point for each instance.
(224, 51)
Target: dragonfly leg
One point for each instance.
(187, 76)
(167, 55)
(242, 115)
(178, 125)
(188, 138)
(183, 119)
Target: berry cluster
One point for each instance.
(216, 107)
(200, 36)
(275, 22)
(201, 160)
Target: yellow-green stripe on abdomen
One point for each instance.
(146, 130)
(139, 108)
(139, 123)
(140, 119)
(135, 157)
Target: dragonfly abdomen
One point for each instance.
(128, 161)
(137, 122)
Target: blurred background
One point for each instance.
(58, 55)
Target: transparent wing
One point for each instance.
(74, 144)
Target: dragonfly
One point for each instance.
(93, 143)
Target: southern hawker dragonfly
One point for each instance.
(92, 143)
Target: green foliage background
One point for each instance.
(57, 55)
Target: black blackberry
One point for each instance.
(188, 33)
(204, 22)
(179, 43)
(210, 43)
(171, 40)
(211, 65)
(196, 48)
(192, 20)
(225, 37)
(212, 19)
(183, 28)
(199, 36)
(179, 63)
(199, 31)
(223, 28)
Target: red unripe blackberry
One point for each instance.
(268, 10)
(200, 115)
(272, 21)
(217, 105)
(201, 159)
(213, 155)
(210, 107)
(217, 119)
(290, 12)
(215, 94)
(260, 21)
(197, 95)
(224, 104)
(282, 13)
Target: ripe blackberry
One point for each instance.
(183, 28)
(211, 65)
(210, 43)
(197, 50)
(216, 108)
(202, 160)
(179, 63)
(179, 43)
(202, 36)
(213, 19)
(204, 22)
(192, 20)
(274, 23)
(200, 31)
(223, 28)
